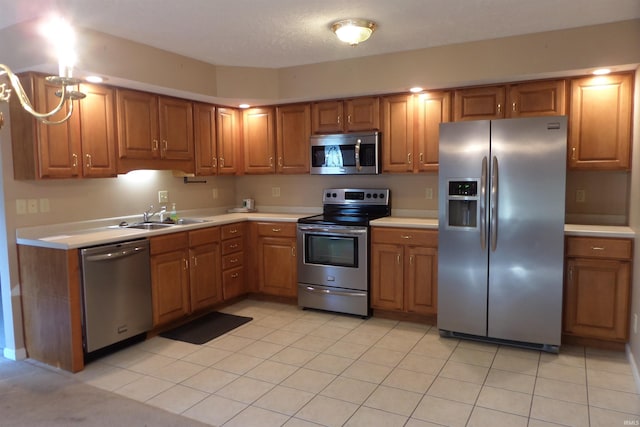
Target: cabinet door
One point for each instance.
(205, 279)
(387, 276)
(397, 128)
(227, 131)
(170, 286)
(362, 114)
(546, 98)
(421, 267)
(204, 135)
(176, 129)
(433, 108)
(327, 117)
(600, 122)
(293, 130)
(596, 301)
(481, 103)
(259, 140)
(277, 266)
(98, 131)
(58, 145)
(137, 114)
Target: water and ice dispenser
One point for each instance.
(462, 201)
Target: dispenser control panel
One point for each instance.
(463, 188)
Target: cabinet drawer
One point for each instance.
(404, 236)
(232, 260)
(169, 242)
(232, 245)
(277, 229)
(204, 236)
(232, 230)
(233, 283)
(599, 247)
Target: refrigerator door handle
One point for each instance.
(494, 204)
(483, 205)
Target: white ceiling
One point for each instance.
(282, 33)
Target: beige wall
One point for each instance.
(134, 65)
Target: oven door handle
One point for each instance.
(313, 290)
(342, 231)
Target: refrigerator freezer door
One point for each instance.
(526, 268)
(462, 252)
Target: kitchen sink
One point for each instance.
(149, 225)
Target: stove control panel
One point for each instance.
(356, 196)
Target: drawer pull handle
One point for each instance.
(235, 245)
(235, 275)
(276, 230)
(406, 236)
(234, 231)
(233, 261)
(597, 248)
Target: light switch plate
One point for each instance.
(163, 196)
(428, 193)
(581, 196)
(32, 206)
(21, 207)
(214, 193)
(44, 205)
(275, 191)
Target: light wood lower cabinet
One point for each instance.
(277, 259)
(233, 260)
(404, 270)
(597, 288)
(185, 273)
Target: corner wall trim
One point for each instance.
(15, 354)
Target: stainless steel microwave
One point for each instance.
(346, 154)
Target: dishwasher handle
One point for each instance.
(115, 254)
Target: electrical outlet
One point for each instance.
(32, 206)
(428, 193)
(44, 205)
(163, 196)
(21, 207)
(581, 196)
(275, 191)
(214, 193)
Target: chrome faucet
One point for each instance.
(149, 213)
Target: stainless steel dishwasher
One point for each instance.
(116, 292)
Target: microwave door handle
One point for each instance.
(357, 153)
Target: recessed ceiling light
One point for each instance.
(416, 89)
(244, 105)
(601, 71)
(94, 79)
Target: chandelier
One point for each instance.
(68, 85)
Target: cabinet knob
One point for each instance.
(406, 236)
(513, 107)
(88, 157)
(75, 160)
(573, 153)
(186, 263)
(499, 108)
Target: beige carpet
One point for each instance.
(31, 395)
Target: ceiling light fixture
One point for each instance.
(353, 31)
(62, 33)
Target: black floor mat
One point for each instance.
(206, 328)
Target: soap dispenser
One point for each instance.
(173, 214)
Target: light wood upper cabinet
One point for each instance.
(293, 130)
(398, 143)
(44, 151)
(258, 138)
(433, 108)
(216, 139)
(154, 132)
(352, 115)
(411, 130)
(600, 122)
(228, 136)
(479, 103)
(204, 136)
(544, 98)
(98, 131)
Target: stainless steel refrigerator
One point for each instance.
(501, 230)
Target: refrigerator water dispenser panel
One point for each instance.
(463, 204)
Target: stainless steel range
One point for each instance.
(333, 250)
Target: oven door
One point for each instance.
(333, 255)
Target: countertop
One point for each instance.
(91, 233)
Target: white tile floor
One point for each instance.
(294, 368)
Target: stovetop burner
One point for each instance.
(351, 207)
